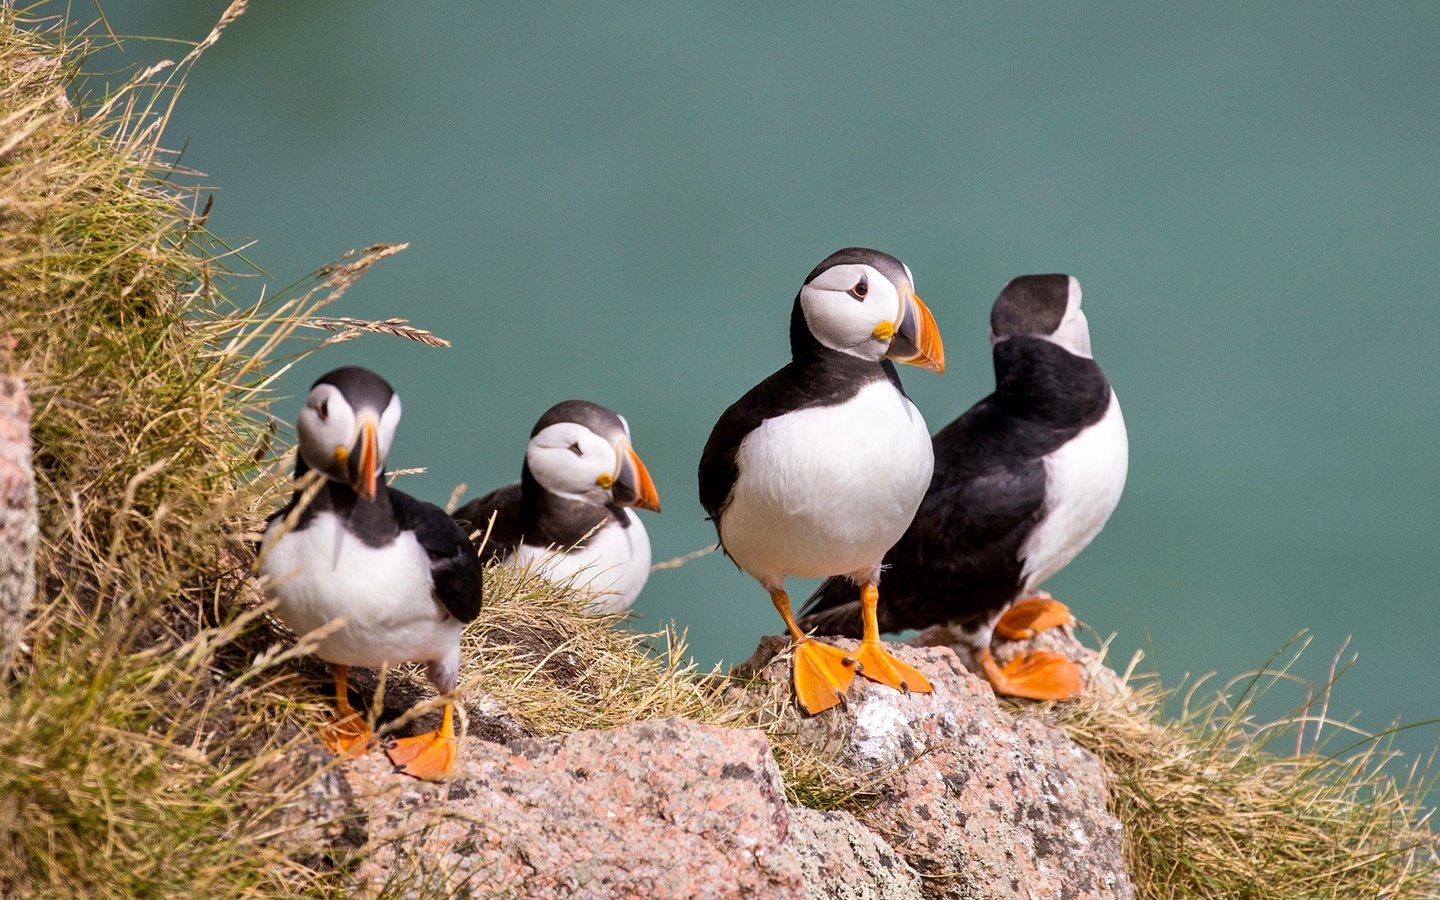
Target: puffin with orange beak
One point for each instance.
(1024, 481)
(378, 577)
(572, 514)
(818, 470)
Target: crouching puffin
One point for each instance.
(570, 514)
(818, 469)
(1024, 480)
(384, 577)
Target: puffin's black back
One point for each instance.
(959, 562)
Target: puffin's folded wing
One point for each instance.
(499, 539)
(454, 567)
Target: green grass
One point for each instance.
(155, 737)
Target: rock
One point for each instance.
(843, 859)
(19, 530)
(963, 799)
(660, 809)
(982, 803)
(323, 823)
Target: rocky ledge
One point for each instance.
(964, 799)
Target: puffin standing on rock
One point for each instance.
(1024, 480)
(381, 577)
(570, 514)
(818, 469)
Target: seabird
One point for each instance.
(380, 577)
(572, 513)
(818, 469)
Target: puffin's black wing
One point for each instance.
(960, 559)
(453, 564)
(504, 504)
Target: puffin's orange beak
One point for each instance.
(917, 338)
(633, 486)
(365, 462)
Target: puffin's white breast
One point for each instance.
(613, 566)
(385, 595)
(1083, 483)
(827, 490)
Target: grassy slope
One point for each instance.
(146, 734)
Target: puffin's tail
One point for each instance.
(834, 608)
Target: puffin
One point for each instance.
(378, 576)
(818, 469)
(572, 514)
(1024, 480)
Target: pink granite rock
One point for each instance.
(657, 809)
(844, 860)
(983, 803)
(971, 801)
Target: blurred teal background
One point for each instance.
(619, 202)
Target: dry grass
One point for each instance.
(132, 768)
(1220, 803)
(145, 745)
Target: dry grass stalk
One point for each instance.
(1218, 803)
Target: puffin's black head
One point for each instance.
(1044, 306)
(347, 426)
(581, 450)
(862, 303)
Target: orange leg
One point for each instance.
(1042, 675)
(877, 663)
(821, 673)
(1031, 615)
(348, 733)
(427, 756)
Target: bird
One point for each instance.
(572, 513)
(378, 576)
(1024, 480)
(818, 469)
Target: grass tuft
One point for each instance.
(1220, 803)
(133, 765)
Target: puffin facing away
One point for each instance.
(389, 579)
(1024, 480)
(570, 514)
(819, 468)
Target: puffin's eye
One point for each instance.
(861, 288)
(575, 449)
(323, 410)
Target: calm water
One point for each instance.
(619, 205)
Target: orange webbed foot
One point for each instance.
(822, 674)
(429, 757)
(1041, 675)
(1031, 615)
(347, 734)
(880, 665)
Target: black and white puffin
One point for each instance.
(1024, 480)
(819, 468)
(385, 577)
(571, 515)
